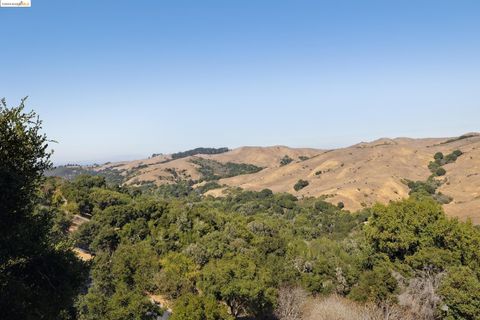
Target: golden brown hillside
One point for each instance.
(162, 169)
(358, 176)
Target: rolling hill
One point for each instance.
(357, 176)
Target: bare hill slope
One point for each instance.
(358, 176)
(366, 173)
(163, 169)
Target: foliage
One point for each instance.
(195, 307)
(196, 151)
(436, 166)
(460, 290)
(39, 275)
(177, 275)
(285, 160)
(438, 156)
(236, 249)
(240, 249)
(416, 234)
(241, 283)
(211, 185)
(70, 172)
(377, 285)
(121, 278)
(400, 228)
(300, 185)
(440, 172)
(175, 190)
(465, 136)
(214, 170)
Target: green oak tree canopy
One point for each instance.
(39, 277)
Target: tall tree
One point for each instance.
(38, 278)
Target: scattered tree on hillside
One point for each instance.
(285, 160)
(300, 185)
(196, 151)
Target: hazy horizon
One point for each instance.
(115, 81)
(130, 157)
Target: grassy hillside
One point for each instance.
(358, 176)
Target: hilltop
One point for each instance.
(357, 176)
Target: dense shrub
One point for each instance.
(438, 156)
(376, 285)
(459, 292)
(285, 160)
(211, 185)
(196, 307)
(420, 187)
(300, 185)
(440, 172)
(214, 170)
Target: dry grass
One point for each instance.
(338, 308)
(419, 294)
(290, 303)
(82, 254)
(358, 176)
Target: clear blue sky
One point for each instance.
(122, 79)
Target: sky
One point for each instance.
(117, 80)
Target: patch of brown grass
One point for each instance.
(337, 308)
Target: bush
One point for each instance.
(434, 166)
(398, 229)
(209, 186)
(421, 187)
(438, 156)
(324, 206)
(442, 198)
(460, 290)
(285, 160)
(194, 307)
(440, 172)
(457, 153)
(450, 158)
(377, 285)
(300, 185)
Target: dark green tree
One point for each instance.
(438, 156)
(459, 291)
(300, 185)
(193, 307)
(440, 172)
(38, 279)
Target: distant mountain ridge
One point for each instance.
(357, 176)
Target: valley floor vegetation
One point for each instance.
(248, 255)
